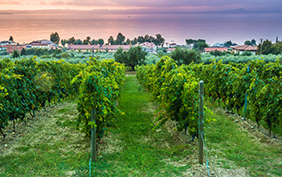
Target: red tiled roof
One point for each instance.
(251, 48)
(221, 49)
(170, 49)
(245, 48)
(103, 47)
(148, 44)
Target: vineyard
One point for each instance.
(26, 85)
(256, 84)
(135, 118)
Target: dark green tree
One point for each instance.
(134, 41)
(254, 42)
(184, 56)
(15, 54)
(159, 40)
(100, 41)
(72, 40)
(86, 41)
(94, 42)
(120, 39)
(277, 48)
(248, 43)
(78, 42)
(64, 41)
(266, 47)
(23, 52)
(128, 41)
(228, 44)
(11, 38)
(54, 37)
(200, 46)
(111, 40)
(133, 57)
(140, 39)
(189, 41)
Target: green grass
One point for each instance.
(241, 148)
(141, 151)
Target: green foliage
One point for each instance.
(228, 83)
(133, 57)
(176, 90)
(99, 88)
(120, 39)
(11, 38)
(65, 55)
(252, 42)
(54, 37)
(193, 41)
(184, 56)
(28, 84)
(218, 53)
(207, 58)
(111, 40)
(45, 56)
(16, 54)
(200, 46)
(246, 53)
(4, 52)
(23, 52)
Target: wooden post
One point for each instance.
(93, 136)
(92, 52)
(201, 115)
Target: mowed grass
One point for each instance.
(51, 149)
(141, 151)
(239, 147)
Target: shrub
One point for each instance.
(65, 55)
(15, 54)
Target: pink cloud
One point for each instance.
(10, 2)
(43, 3)
(57, 3)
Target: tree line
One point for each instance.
(119, 40)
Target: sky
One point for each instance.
(144, 5)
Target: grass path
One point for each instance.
(138, 151)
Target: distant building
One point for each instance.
(2, 43)
(244, 48)
(169, 50)
(3, 47)
(102, 48)
(172, 45)
(12, 47)
(148, 46)
(221, 49)
(42, 44)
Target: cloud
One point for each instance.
(9, 2)
(43, 3)
(172, 3)
(56, 3)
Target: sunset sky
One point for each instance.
(153, 5)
